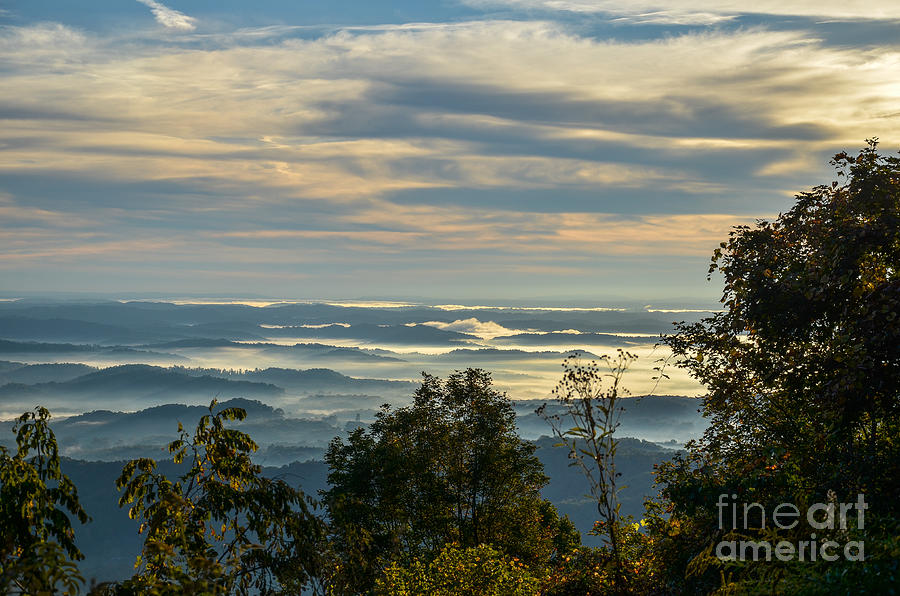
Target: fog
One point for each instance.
(320, 366)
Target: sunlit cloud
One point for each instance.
(592, 95)
(520, 147)
(473, 326)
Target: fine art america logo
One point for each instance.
(829, 518)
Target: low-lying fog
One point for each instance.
(130, 356)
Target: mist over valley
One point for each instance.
(119, 377)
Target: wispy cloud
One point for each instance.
(478, 106)
(705, 12)
(169, 17)
(418, 154)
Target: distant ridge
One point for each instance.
(466, 354)
(138, 382)
(33, 347)
(311, 379)
(17, 372)
(313, 350)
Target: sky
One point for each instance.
(457, 149)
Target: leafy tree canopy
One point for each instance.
(805, 358)
(803, 372)
(450, 468)
(221, 527)
(460, 571)
(37, 541)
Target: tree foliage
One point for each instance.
(806, 355)
(802, 367)
(458, 571)
(37, 541)
(591, 413)
(221, 527)
(450, 468)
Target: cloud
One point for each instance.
(25, 216)
(42, 46)
(170, 18)
(545, 235)
(482, 150)
(473, 326)
(478, 105)
(704, 12)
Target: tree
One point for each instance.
(587, 415)
(805, 358)
(37, 541)
(802, 365)
(587, 425)
(450, 468)
(221, 527)
(460, 571)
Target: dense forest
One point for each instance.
(793, 489)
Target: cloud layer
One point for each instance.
(527, 150)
